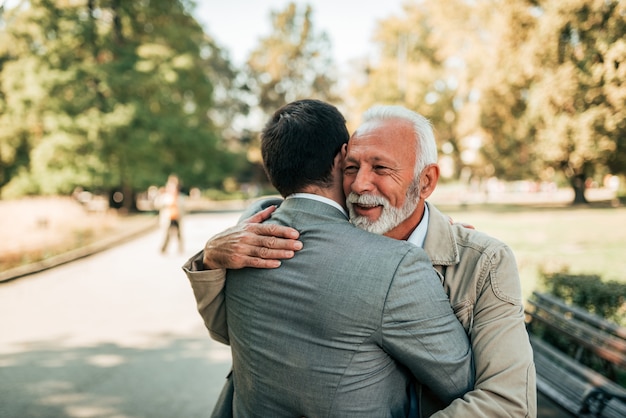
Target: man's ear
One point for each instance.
(428, 180)
(338, 161)
(344, 151)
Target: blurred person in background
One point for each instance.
(170, 203)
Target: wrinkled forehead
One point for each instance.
(391, 139)
(388, 133)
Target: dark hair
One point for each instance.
(299, 144)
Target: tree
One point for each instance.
(569, 106)
(507, 76)
(537, 86)
(581, 119)
(426, 61)
(108, 94)
(293, 62)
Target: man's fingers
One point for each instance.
(251, 244)
(463, 224)
(272, 254)
(279, 243)
(273, 230)
(262, 215)
(247, 256)
(262, 263)
(254, 225)
(240, 254)
(238, 261)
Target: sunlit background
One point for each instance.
(100, 101)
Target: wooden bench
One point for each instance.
(562, 377)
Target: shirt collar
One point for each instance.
(418, 236)
(319, 199)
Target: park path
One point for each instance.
(115, 334)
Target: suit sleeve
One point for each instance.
(208, 289)
(421, 331)
(505, 371)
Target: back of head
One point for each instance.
(299, 144)
(425, 137)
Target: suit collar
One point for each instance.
(319, 199)
(314, 207)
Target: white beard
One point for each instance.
(390, 216)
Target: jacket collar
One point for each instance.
(440, 243)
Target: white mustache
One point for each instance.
(367, 200)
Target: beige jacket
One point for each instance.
(480, 276)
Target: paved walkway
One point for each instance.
(115, 334)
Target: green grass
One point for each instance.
(589, 240)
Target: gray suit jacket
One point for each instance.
(339, 329)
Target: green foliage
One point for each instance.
(606, 299)
(579, 100)
(603, 298)
(416, 69)
(293, 62)
(565, 101)
(112, 93)
(537, 87)
(105, 94)
(504, 84)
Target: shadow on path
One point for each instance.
(172, 376)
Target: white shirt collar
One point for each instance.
(418, 236)
(319, 199)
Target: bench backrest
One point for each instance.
(605, 339)
(581, 314)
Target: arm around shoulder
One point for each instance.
(422, 332)
(208, 289)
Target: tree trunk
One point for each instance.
(578, 184)
(123, 199)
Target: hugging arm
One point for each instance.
(208, 286)
(421, 331)
(250, 243)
